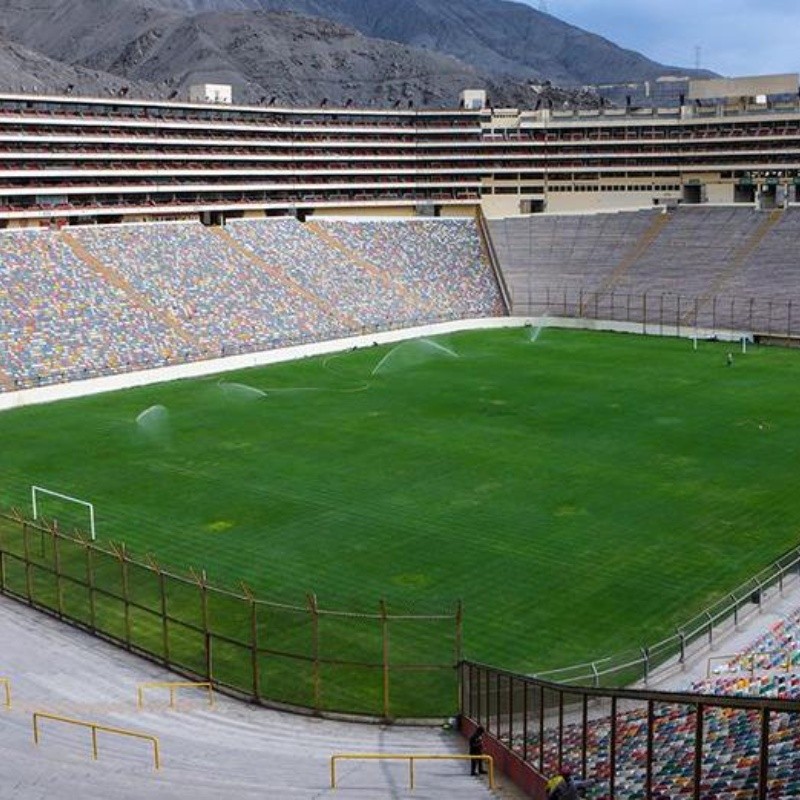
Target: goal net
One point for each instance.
(70, 513)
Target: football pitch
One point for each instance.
(582, 493)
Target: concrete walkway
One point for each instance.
(233, 750)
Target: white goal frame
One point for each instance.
(68, 498)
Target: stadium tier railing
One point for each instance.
(383, 665)
(95, 728)
(664, 313)
(629, 743)
(411, 758)
(172, 687)
(695, 636)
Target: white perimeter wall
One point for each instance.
(197, 369)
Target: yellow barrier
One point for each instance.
(7, 684)
(411, 759)
(172, 686)
(95, 727)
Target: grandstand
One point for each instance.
(716, 268)
(141, 234)
(109, 299)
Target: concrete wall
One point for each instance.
(565, 202)
(196, 369)
(719, 193)
(498, 206)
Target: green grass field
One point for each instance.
(582, 493)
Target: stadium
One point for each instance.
(483, 417)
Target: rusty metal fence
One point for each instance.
(655, 312)
(382, 664)
(625, 743)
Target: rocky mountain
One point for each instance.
(497, 37)
(303, 52)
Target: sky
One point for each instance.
(735, 37)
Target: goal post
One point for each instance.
(36, 503)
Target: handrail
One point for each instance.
(173, 686)
(6, 682)
(411, 758)
(698, 627)
(95, 727)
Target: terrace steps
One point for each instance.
(741, 256)
(116, 280)
(279, 275)
(361, 262)
(640, 247)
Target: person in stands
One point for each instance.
(476, 765)
(562, 786)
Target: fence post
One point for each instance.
(26, 549)
(644, 313)
(253, 638)
(202, 585)
(57, 570)
(162, 591)
(89, 550)
(385, 659)
(313, 609)
(459, 640)
(789, 318)
(121, 555)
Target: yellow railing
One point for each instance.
(173, 686)
(6, 683)
(411, 759)
(95, 727)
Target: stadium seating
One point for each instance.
(222, 300)
(61, 320)
(768, 668)
(554, 264)
(438, 262)
(105, 299)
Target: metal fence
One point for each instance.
(382, 664)
(628, 743)
(695, 636)
(660, 312)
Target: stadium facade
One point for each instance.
(70, 160)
